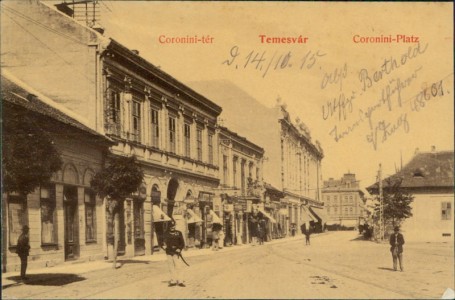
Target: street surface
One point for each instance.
(335, 265)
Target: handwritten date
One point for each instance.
(264, 61)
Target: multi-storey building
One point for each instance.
(240, 183)
(344, 201)
(169, 127)
(292, 161)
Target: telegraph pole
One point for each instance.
(381, 206)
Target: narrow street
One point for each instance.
(336, 265)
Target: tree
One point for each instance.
(396, 201)
(29, 155)
(115, 182)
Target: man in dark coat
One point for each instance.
(396, 243)
(23, 249)
(174, 244)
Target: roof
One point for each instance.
(425, 170)
(233, 134)
(165, 77)
(14, 93)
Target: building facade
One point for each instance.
(65, 217)
(169, 128)
(428, 176)
(292, 160)
(241, 184)
(344, 201)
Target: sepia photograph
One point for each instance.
(227, 149)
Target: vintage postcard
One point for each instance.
(227, 149)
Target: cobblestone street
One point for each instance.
(336, 265)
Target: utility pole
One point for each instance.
(381, 206)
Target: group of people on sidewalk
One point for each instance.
(174, 243)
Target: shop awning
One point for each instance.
(215, 218)
(320, 213)
(193, 218)
(159, 215)
(267, 215)
(307, 216)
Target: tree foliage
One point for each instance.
(397, 201)
(29, 155)
(119, 179)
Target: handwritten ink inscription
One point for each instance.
(264, 61)
(354, 110)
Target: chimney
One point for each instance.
(135, 52)
(433, 149)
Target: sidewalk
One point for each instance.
(76, 268)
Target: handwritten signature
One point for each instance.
(264, 61)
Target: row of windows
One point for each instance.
(17, 215)
(234, 171)
(114, 126)
(347, 199)
(334, 210)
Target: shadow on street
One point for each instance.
(47, 279)
(386, 269)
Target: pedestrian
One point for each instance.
(215, 236)
(174, 244)
(307, 237)
(293, 228)
(396, 243)
(23, 250)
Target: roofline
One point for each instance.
(244, 139)
(167, 78)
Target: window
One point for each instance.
(234, 170)
(187, 139)
(351, 211)
(242, 176)
(113, 115)
(136, 119)
(250, 170)
(328, 198)
(48, 216)
(345, 210)
(446, 211)
(335, 209)
(199, 144)
(335, 198)
(90, 215)
(210, 144)
(328, 210)
(350, 199)
(155, 130)
(17, 217)
(257, 173)
(172, 135)
(225, 169)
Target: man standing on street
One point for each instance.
(174, 244)
(396, 243)
(22, 249)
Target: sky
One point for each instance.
(367, 103)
